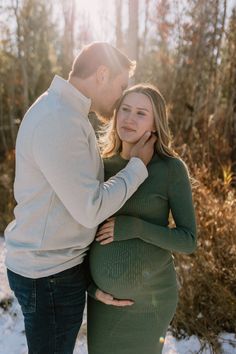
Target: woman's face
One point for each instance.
(134, 117)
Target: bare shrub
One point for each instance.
(6, 189)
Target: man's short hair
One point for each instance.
(101, 53)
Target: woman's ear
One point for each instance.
(154, 132)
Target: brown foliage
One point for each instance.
(207, 303)
(6, 189)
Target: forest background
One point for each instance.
(188, 49)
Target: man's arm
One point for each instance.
(62, 152)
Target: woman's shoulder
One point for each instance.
(171, 164)
(177, 167)
(175, 162)
(168, 161)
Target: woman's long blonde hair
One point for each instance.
(109, 140)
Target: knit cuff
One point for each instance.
(126, 227)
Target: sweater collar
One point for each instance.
(71, 95)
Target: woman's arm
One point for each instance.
(181, 238)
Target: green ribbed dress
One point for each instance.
(138, 265)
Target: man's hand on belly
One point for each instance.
(108, 299)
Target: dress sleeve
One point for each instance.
(181, 238)
(91, 290)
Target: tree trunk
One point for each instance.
(22, 58)
(132, 45)
(68, 39)
(119, 33)
(144, 39)
(233, 134)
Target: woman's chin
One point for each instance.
(130, 140)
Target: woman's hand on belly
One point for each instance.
(108, 299)
(105, 233)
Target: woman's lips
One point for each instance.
(128, 129)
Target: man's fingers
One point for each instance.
(152, 140)
(144, 139)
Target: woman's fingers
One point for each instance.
(106, 225)
(104, 231)
(110, 221)
(108, 299)
(100, 295)
(104, 238)
(122, 303)
(106, 241)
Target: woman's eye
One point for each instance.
(124, 109)
(141, 113)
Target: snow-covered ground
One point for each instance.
(12, 339)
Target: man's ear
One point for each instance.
(102, 74)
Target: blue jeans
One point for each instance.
(53, 309)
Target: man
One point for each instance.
(61, 196)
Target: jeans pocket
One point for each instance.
(75, 275)
(24, 290)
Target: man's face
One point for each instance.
(110, 93)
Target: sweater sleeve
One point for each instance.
(65, 154)
(181, 238)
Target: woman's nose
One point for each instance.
(129, 116)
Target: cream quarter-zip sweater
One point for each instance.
(59, 185)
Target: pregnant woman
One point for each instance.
(132, 255)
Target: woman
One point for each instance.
(131, 257)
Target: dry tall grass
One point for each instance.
(207, 303)
(7, 202)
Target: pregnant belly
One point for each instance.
(131, 267)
